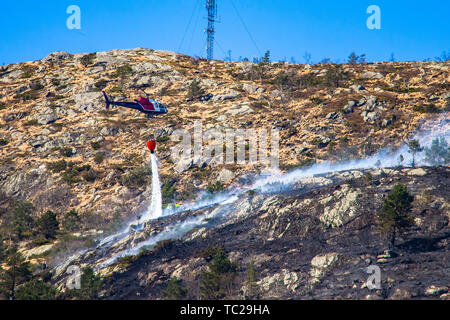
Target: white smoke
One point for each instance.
(431, 129)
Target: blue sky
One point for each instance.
(412, 30)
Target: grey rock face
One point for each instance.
(240, 110)
(88, 101)
(57, 58)
(46, 115)
(227, 96)
(369, 75)
(225, 176)
(357, 88)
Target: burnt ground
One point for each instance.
(420, 259)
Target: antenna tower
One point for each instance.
(211, 6)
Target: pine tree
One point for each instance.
(394, 217)
(48, 225)
(219, 278)
(266, 58)
(22, 220)
(71, 221)
(175, 289)
(414, 147)
(252, 287)
(91, 284)
(36, 290)
(17, 271)
(438, 153)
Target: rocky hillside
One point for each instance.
(312, 241)
(62, 151)
(52, 110)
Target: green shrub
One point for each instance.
(88, 59)
(72, 221)
(96, 145)
(66, 152)
(89, 242)
(168, 190)
(162, 139)
(57, 166)
(335, 76)
(90, 175)
(164, 245)
(122, 71)
(136, 178)
(28, 71)
(316, 100)
(215, 187)
(91, 284)
(195, 91)
(100, 85)
(3, 142)
(99, 157)
(40, 241)
(427, 108)
(71, 175)
(26, 96)
(32, 122)
(209, 253)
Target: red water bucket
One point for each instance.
(151, 144)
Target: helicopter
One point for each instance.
(145, 105)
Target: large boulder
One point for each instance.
(46, 116)
(239, 111)
(225, 176)
(341, 207)
(322, 264)
(370, 75)
(231, 94)
(88, 101)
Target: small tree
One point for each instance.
(394, 217)
(252, 287)
(221, 274)
(17, 272)
(72, 221)
(335, 76)
(266, 58)
(48, 225)
(3, 250)
(414, 147)
(400, 160)
(175, 289)
(354, 58)
(22, 221)
(438, 153)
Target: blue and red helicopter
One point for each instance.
(145, 105)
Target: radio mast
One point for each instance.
(211, 6)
